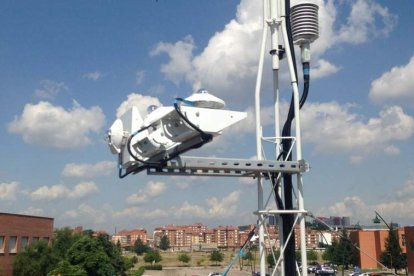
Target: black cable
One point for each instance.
(133, 155)
(288, 219)
(204, 136)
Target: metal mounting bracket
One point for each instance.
(201, 166)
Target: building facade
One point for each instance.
(129, 237)
(19, 231)
(371, 243)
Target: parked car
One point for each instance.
(325, 271)
(312, 269)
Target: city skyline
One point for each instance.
(69, 69)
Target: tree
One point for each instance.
(65, 268)
(392, 256)
(270, 260)
(63, 240)
(249, 258)
(216, 256)
(312, 256)
(152, 256)
(71, 254)
(35, 260)
(164, 243)
(184, 257)
(139, 247)
(342, 252)
(90, 255)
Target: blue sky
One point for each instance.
(69, 68)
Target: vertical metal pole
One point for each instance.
(274, 40)
(259, 143)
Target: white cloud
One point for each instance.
(33, 211)
(60, 191)
(367, 20)
(89, 170)
(155, 188)
(407, 190)
(180, 55)
(83, 189)
(137, 199)
(93, 75)
(333, 128)
(87, 213)
(350, 206)
(8, 191)
(48, 193)
(50, 89)
(323, 68)
(140, 76)
(397, 210)
(223, 208)
(140, 101)
(396, 84)
(227, 66)
(152, 189)
(53, 126)
(136, 212)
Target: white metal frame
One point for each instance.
(275, 20)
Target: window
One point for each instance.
(1, 244)
(403, 240)
(12, 245)
(46, 239)
(24, 241)
(35, 239)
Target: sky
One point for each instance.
(69, 68)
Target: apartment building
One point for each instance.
(182, 237)
(19, 231)
(129, 237)
(226, 237)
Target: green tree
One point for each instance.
(270, 260)
(114, 254)
(63, 240)
(152, 257)
(312, 256)
(184, 257)
(216, 256)
(90, 255)
(342, 252)
(139, 247)
(346, 254)
(65, 268)
(330, 251)
(392, 256)
(164, 243)
(35, 260)
(249, 258)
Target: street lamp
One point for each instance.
(378, 218)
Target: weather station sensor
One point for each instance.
(168, 131)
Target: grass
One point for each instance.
(198, 259)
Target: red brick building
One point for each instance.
(372, 243)
(18, 231)
(226, 237)
(408, 240)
